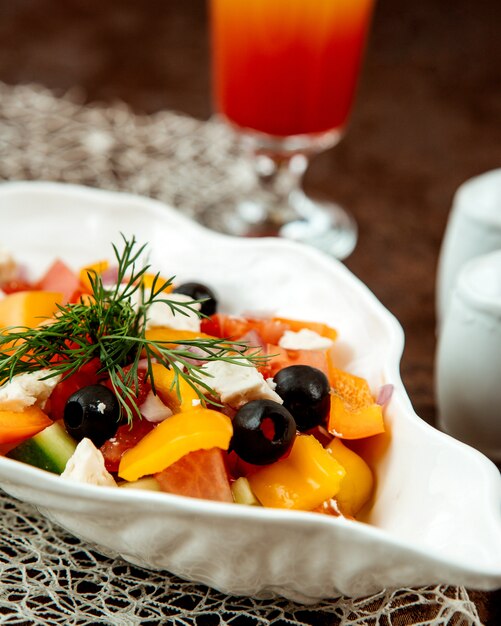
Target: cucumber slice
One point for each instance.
(50, 449)
(149, 484)
(242, 492)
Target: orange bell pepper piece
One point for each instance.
(318, 327)
(168, 392)
(354, 413)
(303, 480)
(198, 429)
(16, 426)
(29, 308)
(90, 271)
(358, 483)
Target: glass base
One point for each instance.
(322, 225)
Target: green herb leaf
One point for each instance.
(112, 328)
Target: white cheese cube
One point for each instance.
(159, 314)
(304, 339)
(86, 465)
(237, 384)
(153, 409)
(26, 390)
(271, 384)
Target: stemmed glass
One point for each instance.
(284, 76)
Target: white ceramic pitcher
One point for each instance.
(473, 229)
(468, 366)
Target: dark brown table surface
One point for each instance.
(427, 117)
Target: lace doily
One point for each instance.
(47, 576)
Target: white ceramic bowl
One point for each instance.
(435, 516)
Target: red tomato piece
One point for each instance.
(125, 438)
(86, 375)
(229, 326)
(143, 387)
(234, 327)
(270, 330)
(220, 325)
(238, 467)
(280, 358)
(199, 474)
(15, 285)
(79, 296)
(211, 326)
(59, 277)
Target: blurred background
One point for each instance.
(427, 117)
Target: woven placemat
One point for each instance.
(48, 577)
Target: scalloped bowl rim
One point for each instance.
(53, 484)
(17, 474)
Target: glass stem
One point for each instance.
(280, 177)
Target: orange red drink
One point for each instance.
(287, 67)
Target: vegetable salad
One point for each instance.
(115, 376)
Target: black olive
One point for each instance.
(263, 431)
(198, 291)
(92, 412)
(305, 391)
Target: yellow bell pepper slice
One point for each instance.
(29, 308)
(306, 478)
(199, 429)
(95, 268)
(166, 389)
(147, 281)
(166, 335)
(358, 483)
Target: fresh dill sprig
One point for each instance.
(111, 326)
